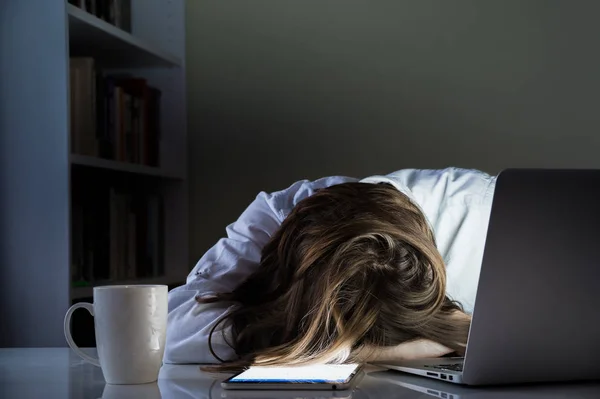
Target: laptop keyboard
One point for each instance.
(447, 367)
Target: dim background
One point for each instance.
(287, 90)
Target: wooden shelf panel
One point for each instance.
(107, 164)
(111, 46)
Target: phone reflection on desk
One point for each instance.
(211, 389)
(287, 394)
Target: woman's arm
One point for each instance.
(411, 350)
(222, 269)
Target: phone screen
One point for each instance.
(316, 374)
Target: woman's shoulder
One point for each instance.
(437, 187)
(283, 201)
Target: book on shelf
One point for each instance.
(115, 12)
(82, 76)
(113, 116)
(116, 235)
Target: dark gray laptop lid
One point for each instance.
(537, 309)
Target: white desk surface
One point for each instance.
(59, 373)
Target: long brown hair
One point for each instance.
(353, 266)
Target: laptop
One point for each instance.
(537, 310)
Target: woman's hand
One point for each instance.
(411, 350)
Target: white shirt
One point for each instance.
(456, 202)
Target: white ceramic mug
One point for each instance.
(131, 324)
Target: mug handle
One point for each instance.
(90, 308)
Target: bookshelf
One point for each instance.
(112, 46)
(107, 164)
(94, 156)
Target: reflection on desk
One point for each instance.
(58, 373)
(387, 384)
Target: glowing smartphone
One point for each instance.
(316, 377)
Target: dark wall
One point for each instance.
(284, 90)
